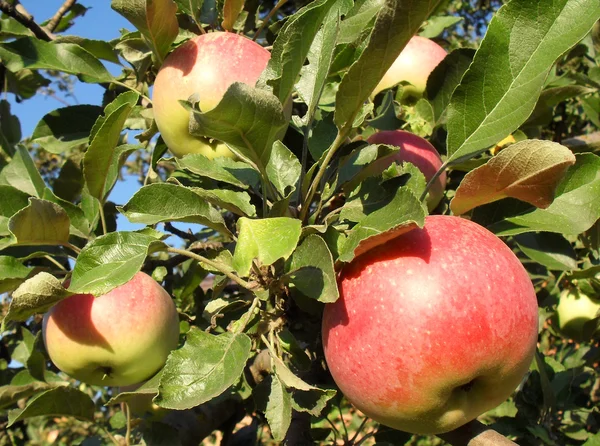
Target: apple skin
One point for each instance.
(433, 328)
(205, 65)
(417, 151)
(414, 65)
(118, 339)
(574, 310)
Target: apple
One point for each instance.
(118, 339)
(417, 151)
(575, 309)
(205, 65)
(432, 328)
(414, 65)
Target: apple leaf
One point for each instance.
(550, 98)
(10, 394)
(21, 173)
(248, 119)
(501, 87)
(35, 296)
(357, 19)
(66, 128)
(319, 280)
(98, 48)
(12, 273)
(11, 201)
(279, 409)
(574, 210)
(103, 155)
(155, 19)
(396, 23)
(548, 249)
(283, 169)
(435, 26)
(529, 170)
(231, 11)
(224, 170)
(202, 369)
(40, 223)
(150, 387)
(80, 226)
(162, 202)
(234, 201)
(10, 129)
(69, 184)
(59, 401)
(364, 162)
(267, 240)
(291, 47)
(109, 261)
(33, 53)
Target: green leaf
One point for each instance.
(66, 128)
(12, 273)
(162, 202)
(234, 201)
(69, 184)
(396, 23)
(319, 281)
(283, 169)
(437, 25)
(357, 19)
(279, 409)
(574, 210)
(205, 367)
(35, 296)
(10, 129)
(40, 223)
(21, 173)
(550, 98)
(267, 240)
(9, 395)
(98, 48)
(60, 401)
(529, 170)
(11, 201)
(501, 87)
(150, 387)
(103, 154)
(25, 83)
(109, 261)
(10, 27)
(224, 170)
(231, 11)
(30, 52)
(551, 250)
(155, 19)
(79, 225)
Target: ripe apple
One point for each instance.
(433, 328)
(417, 151)
(575, 310)
(205, 65)
(118, 339)
(414, 65)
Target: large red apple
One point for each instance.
(118, 339)
(421, 153)
(414, 65)
(205, 65)
(433, 328)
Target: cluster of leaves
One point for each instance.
(282, 219)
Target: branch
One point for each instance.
(55, 20)
(21, 15)
(475, 434)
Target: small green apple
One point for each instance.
(575, 311)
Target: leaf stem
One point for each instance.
(269, 16)
(102, 219)
(50, 259)
(433, 179)
(71, 247)
(128, 432)
(213, 264)
(121, 84)
(247, 316)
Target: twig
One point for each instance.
(55, 20)
(179, 233)
(279, 4)
(21, 15)
(475, 434)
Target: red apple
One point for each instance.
(421, 153)
(118, 339)
(205, 65)
(433, 328)
(414, 65)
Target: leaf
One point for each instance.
(30, 52)
(205, 367)
(551, 250)
(109, 261)
(102, 155)
(12, 273)
(25, 83)
(10, 129)
(283, 169)
(356, 20)
(529, 170)
(234, 201)
(150, 387)
(231, 11)
(501, 87)
(437, 25)
(40, 223)
(163, 202)
(60, 401)
(79, 225)
(35, 296)
(11, 201)
(396, 23)
(10, 394)
(66, 128)
(155, 19)
(267, 240)
(224, 170)
(279, 409)
(550, 98)
(291, 47)
(574, 210)
(318, 282)
(21, 173)
(10, 27)
(98, 48)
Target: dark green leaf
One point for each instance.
(9, 395)
(25, 83)
(551, 250)
(224, 170)
(21, 173)
(234, 201)
(279, 409)
(10, 129)
(98, 48)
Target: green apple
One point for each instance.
(432, 328)
(118, 339)
(575, 310)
